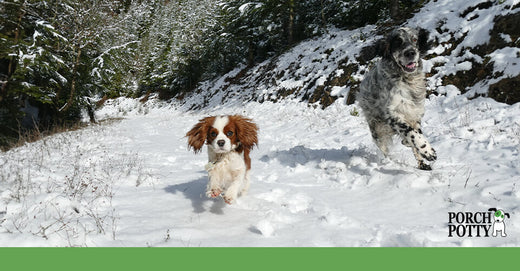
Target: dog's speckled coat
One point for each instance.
(392, 94)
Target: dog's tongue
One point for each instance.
(411, 65)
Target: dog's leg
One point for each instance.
(414, 138)
(246, 185)
(213, 189)
(382, 135)
(216, 180)
(421, 145)
(420, 161)
(502, 229)
(231, 193)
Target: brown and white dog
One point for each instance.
(229, 140)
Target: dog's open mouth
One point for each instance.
(410, 67)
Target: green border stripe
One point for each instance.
(253, 258)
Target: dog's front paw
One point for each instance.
(428, 153)
(228, 199)
(213, 193)
(423, 166)
(425, 149)
(230, 195)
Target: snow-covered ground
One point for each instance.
(317, 180)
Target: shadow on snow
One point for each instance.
(195, 191)
(302, 155)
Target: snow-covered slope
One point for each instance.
(473, 49)
(317, 178)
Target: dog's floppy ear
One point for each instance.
(378, 48)
(197, 135)
(492, 209)
(246, 131)
(507, 214)
(423, 43)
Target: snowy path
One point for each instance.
(317, 180)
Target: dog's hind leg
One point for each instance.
(382, 135)
(245, 186)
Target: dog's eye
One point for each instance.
(230, 133)
(213, 134)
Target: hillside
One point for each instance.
(475, 49)
(317, 179)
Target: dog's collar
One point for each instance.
(211, 164)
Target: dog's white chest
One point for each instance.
(407, 100)
(232, 161)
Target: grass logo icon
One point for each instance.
(498, 223)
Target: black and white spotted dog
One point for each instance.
(392, 94)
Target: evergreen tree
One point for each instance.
(173, 44)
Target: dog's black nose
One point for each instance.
(410, 53)
(221, 143)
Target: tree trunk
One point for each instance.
(322, 14)
(90, 111)
(251, 54)
(73, 82)
(290, 26)
(395, 12)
